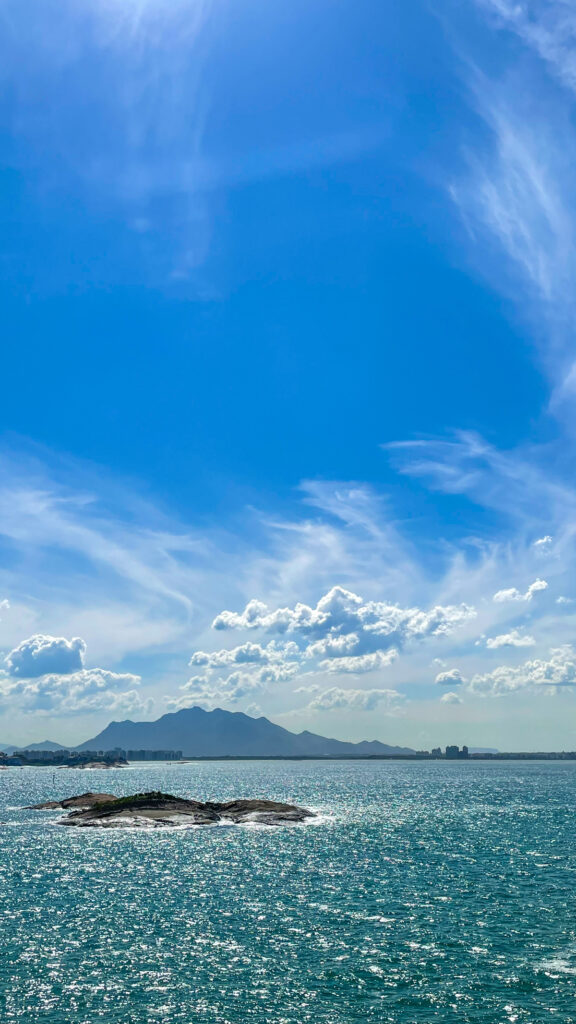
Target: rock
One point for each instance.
(163, 810)
(98, 764)
(268, 812)
(84, 801)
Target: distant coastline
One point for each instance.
(193, 734)
(192, 759)
(501, 756)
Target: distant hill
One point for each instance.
(218, 733)
(9, 748)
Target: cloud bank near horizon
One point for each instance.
(395, 627)
(490, 598)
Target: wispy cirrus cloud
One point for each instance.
(548, 28)
(142, 73)
(504, 481)
(136, 72)
(518, 196)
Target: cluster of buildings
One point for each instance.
(56, 758)
(450, 753)
(75, 758)
(454, 753)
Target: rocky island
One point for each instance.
(157, 809)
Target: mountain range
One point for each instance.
(218, 733)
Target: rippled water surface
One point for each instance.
(423, 892)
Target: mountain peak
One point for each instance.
(226, 733)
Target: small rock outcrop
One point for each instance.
(163, 810)
(84, 801)
(97, 764)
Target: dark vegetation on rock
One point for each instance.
(85, 800)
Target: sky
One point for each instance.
(289, 377)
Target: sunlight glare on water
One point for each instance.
(423, 892)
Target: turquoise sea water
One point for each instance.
(422, 893)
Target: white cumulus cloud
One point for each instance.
(558, 670)
(336, 699)
(360, 664)
(343, 623)
(512, 639)
(230, 690)
(513, 594)
(245, 654)
(87, 690)
(41, 654)
(451, 698)
(234, 687)
(343, 634)
(451, 677)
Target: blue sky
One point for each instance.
(287, 298)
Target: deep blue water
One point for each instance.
(424, 892)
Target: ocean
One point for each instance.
(422, 892)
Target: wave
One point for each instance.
(563, 963)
